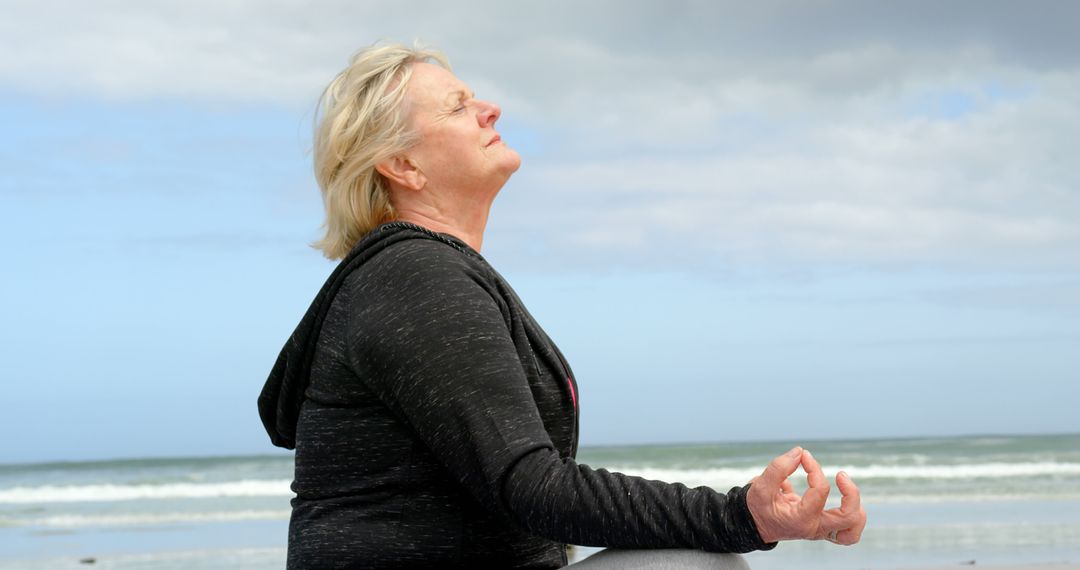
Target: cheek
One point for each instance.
(450, 153)
(435, 151)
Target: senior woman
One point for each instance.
(435, 423)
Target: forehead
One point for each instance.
(431, 87)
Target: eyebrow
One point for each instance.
(459, 95)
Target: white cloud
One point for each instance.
(840, 132)
(991, 188)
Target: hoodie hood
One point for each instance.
(284, 391)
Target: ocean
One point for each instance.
(930, 501)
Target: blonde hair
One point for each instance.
(360, 121)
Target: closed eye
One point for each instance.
(463, 98)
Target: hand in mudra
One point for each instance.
(781, 514)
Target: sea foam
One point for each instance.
(722, 477)
(714, 477)
(111, 492)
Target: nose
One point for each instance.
(489, 113)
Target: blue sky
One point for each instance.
(736, 222)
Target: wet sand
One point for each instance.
(1063, 566)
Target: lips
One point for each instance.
(494, 140)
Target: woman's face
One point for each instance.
(459, 150)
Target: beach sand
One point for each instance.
(1068, 566)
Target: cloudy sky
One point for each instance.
(769, 220)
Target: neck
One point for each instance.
(462, 214)
(468, 228)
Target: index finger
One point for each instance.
(818, 492)
(781, 468)
(851, 499)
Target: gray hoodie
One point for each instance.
(435, 425)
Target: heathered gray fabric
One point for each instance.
(435, 426)
(666, 559)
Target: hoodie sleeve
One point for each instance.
(428, 334)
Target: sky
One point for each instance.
(740, 221)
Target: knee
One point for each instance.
(663, 559)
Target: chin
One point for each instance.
(509, 167)
(513, 161)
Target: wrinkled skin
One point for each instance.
(781, 514)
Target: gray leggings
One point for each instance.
(664, 559)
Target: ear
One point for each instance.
(402, 171)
